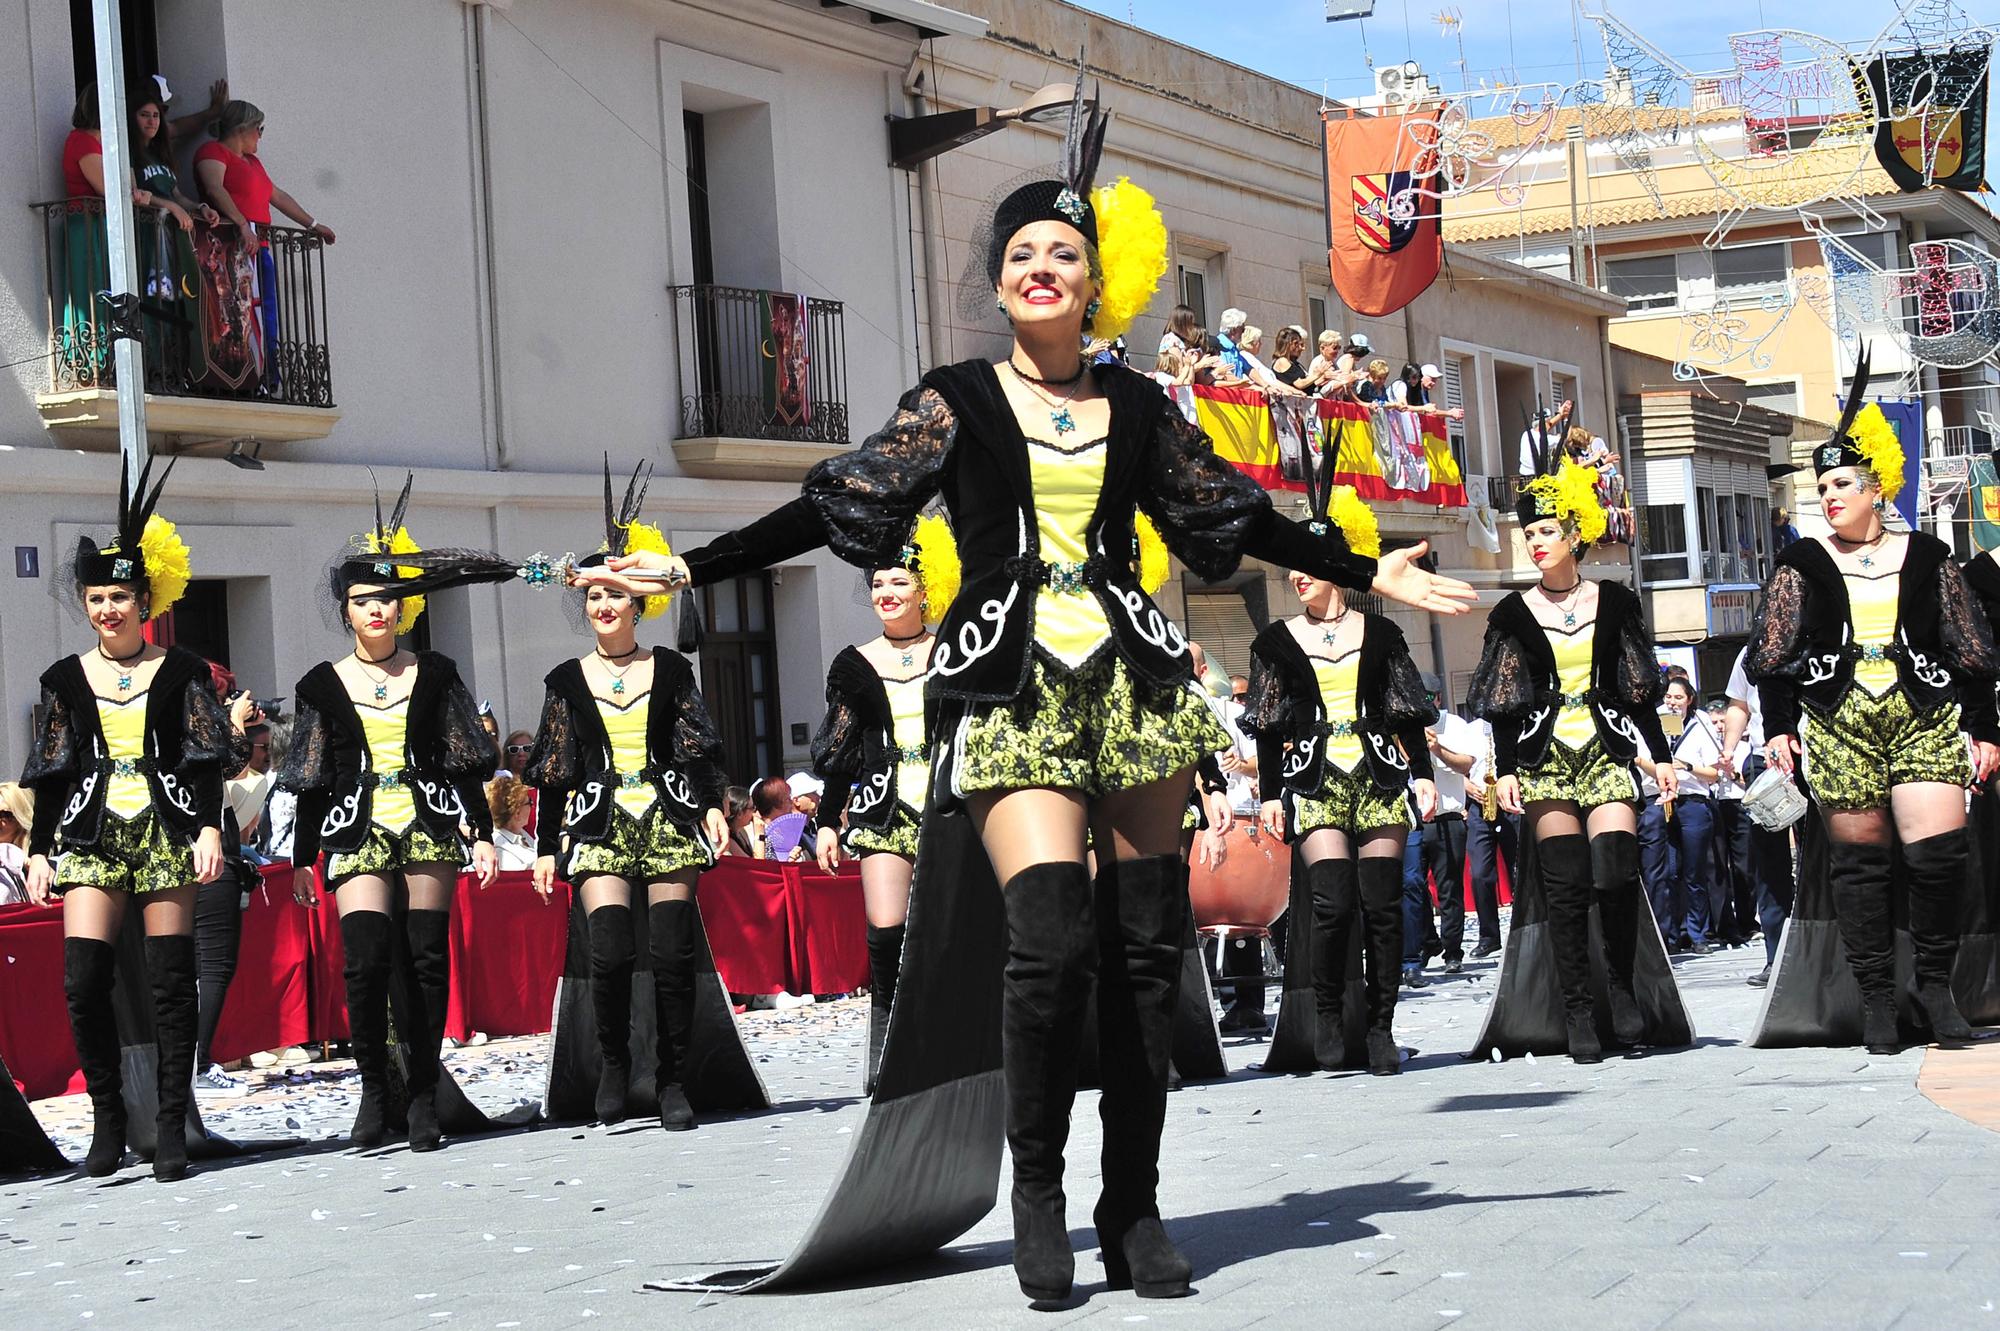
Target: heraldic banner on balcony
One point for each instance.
(1932, 109)
(1382, 454)
(1380, 263)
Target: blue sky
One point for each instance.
(1291, 39)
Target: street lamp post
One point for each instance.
(128, 348)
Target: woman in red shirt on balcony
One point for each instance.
(234, 180)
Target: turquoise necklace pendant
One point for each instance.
(1569, 619)
(618, 686)
(381, 693)
(125, 683)
(1062, 420)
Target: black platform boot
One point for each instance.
(1565, 864)
(611, 960)
(670, 929)
(1382, 919)
(430, 966)
(1052, 953)
(89, 967)
(176, 1008)
(885, 963)
(1332, 884)
(365, 936)
(1614, 865)
(1937, 907)
(1142, 917)
(1858, 873)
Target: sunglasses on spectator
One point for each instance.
(520, 748)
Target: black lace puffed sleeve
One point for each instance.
(1970, 651)
(1777, 653)
(552, 768)
(698, 749)
(836, 748)
(1502, 693)
(308, 763)
(1407, 709)
(51, 771)
(1211, 515)
(1638, 682)
(1268, 718)
(206, 744)
(866, 500)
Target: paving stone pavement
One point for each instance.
(1715, 1187)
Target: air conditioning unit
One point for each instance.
(1402, 85)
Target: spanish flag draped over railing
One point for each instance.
(1383, 454)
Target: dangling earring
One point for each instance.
(1090, 310)
(1880, 504)
(999, 302)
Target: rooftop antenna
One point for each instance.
(1451, 23)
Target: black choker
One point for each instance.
(1082, 368)
(121, 660)
(914, 637)
(608, 656)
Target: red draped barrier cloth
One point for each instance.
(772, 927)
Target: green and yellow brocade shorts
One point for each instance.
(383, 853)
(638, 850)
(136, 855)
(1586, 777)
(1096, 730)
(1869, 745)
(1349, 801)
(898, 838)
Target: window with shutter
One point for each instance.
(1455, 368)
(1222, 621)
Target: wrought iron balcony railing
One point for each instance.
(761, 365)
(222, 315)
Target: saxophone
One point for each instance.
(1489, 798)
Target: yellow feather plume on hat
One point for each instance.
(1152, 556)
(1573, 491)
(937, 566)
(402, 543)
(645, 536)
(1356, 521)
(1875, 439)
(168, 567)
(1132, 249)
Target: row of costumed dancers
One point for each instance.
(1014, 783)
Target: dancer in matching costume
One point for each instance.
(1873, 640)
(630, 768)
(127, 769)
(1569, 683)
(873, 751)
(1065, 700)
(389, 761)
(1338, 710)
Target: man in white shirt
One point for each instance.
(1770, 852)
(1239, 962)
(1556, 423)
(1436, 853)
(1735, 889)
(1695, 754)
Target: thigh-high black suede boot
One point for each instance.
(89, 967)
(1382, 922)
(1332, 884)
(1565, 863)
(430, 966)
(1937, 905)
(1614, 865)
(365, 936)
(885, 962)
(1858, 873)
(611, 960)
(176, 1004)
(670, 932)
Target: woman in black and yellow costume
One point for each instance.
(1066, 716)
(389, 760)
(873, 752)
(1338, 710)
(1976, 977)
(1875, 642)
(1569, 683)
(630, 769)
(127, 769)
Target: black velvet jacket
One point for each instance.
(955, 435)
(1284, 711)
(1802, 650)
(856, 745)
(1517, 689)
(448, 759)
(1982, 575)
(572, 756)
(188, 745)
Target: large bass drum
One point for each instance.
(1248, 890)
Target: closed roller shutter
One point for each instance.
(1219, 619)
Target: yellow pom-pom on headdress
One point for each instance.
(1151, 554)
(168, 568)
(1132, 250)
(1875, 439)
(401, 543)
(645, 536)
(932, 555)
(1356, 521)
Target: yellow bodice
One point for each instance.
(626, 728)
(1340, 699)
(386, 729)
(1872, 604)
(1574, 724)
(1069, 624)
(906, 711)
(124, 726)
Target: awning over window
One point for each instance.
(928, 19)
